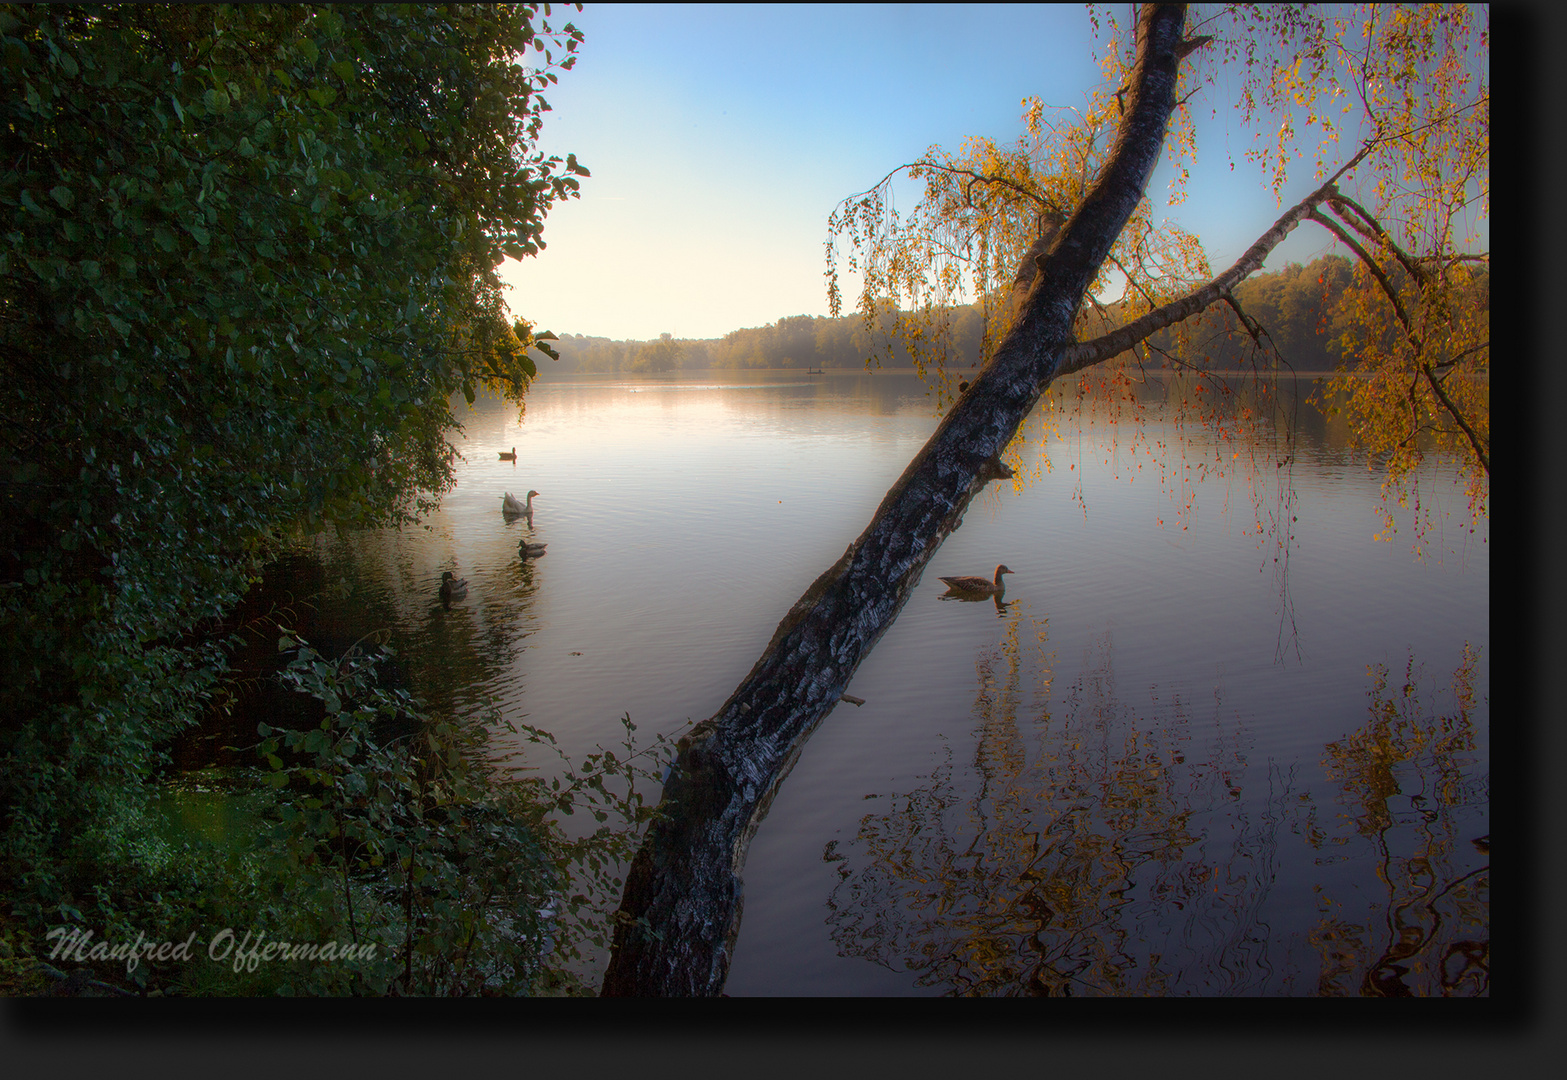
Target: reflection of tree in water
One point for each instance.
(1111, 854)
(1423, 928)
(1096, 864)
(386, 582)
(362, 589)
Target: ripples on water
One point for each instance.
(1159, 768)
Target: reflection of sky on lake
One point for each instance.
(684, 517)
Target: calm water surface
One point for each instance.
(1168, 765)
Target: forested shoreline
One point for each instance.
(1297, 306)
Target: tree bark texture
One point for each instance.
(680, 912)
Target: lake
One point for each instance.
(1189, 755)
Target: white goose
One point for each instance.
(512, 508)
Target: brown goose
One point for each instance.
(452, 586)
(511, 456)
(978, 586)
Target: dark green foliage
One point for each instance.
(380, 828)
(416, 844)
(450, 879)
(247, 258)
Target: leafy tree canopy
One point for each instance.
(1408, 85)
(248, 257)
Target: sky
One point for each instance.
(720, 138)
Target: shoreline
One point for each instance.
(733, 372)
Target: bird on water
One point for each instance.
(452, 586)
(511, 507)
(978, 586)
(530, 551)
(511, 456)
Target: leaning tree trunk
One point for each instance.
(680, 911)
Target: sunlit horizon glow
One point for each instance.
(721, 137)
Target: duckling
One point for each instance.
(530, 551)
(452, 586)
(511, 507)
(978, 586)
(511, 456)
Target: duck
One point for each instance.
(452, 586)
(513, 508)
(978, 586)
(530, 551)
(511, 456)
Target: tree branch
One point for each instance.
(1476, 444)
(1481, 451)
(1253, 327)
(1085, 354)
(1376, 271)
(986, 178)
(1372, 229)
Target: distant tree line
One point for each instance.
(795, 341)
(1297, 307)
(1296, 310)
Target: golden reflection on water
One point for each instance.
(1424, 928)
(1103, 852)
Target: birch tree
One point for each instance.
(1037, 231)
